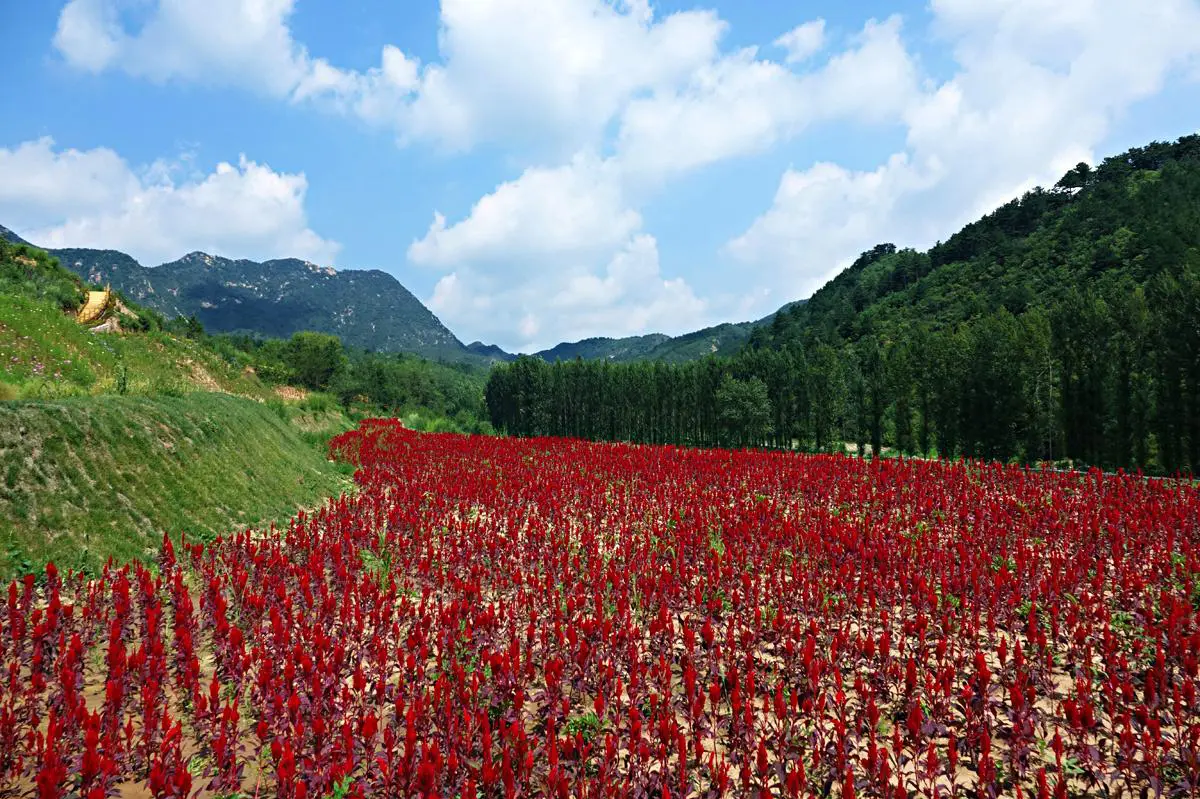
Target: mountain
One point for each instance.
(490, 351)
(723, 339)
(8, 235)
(631, 348)
(366, 308)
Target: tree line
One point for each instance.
(1061, 327)
(374, 382)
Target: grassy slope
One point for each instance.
(85, 478)
(86, 474)
(47, 354)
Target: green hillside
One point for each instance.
(1060, 326)
(110, 439)
(47, 354)
(86, 478)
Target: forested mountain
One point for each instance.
(489, 352)
(366, 308)
(1066, 324)
(723, 339)
(630, 348)
(9, 236)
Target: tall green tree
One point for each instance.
(315, 359)
(745, 411)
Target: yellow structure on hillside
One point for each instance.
(97, 303)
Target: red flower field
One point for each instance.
(493, 617)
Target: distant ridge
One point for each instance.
(8, 235)
(490, 351)
(722, 339)
(368, 309)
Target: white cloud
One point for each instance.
(554, 254)
(67, 182)
(222, 42)
(569, 237)
(89, 34)
(93, 198)
(624, 296)
(570, 211)
(803, 41)
(511, 70)
(526, 70)
(820, 219)
(736, 105)
(1039, 85)
(741, 104)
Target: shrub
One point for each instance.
(170, 387)
(279, 408)
(319, 402)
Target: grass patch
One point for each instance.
(48, 355)
(83, 479)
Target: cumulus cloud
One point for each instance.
(736, 105)
(89, 34)
(555, 254)
(821, 217)
(633, 283)
(554, 73)
(1038, 87)
(803, 41)
(226, 42)
(513, 70)
(623, 296)
(570, 211)
(742, 104)
(93, 198)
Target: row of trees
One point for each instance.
(389, 383)
(1062, 326)
(1112, 381)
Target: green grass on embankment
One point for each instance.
(85, 478)
(46, 354)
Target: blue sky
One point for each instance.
(538, 171)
